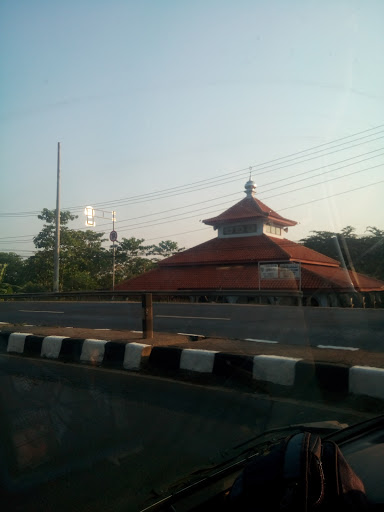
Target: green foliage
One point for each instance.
(3, 268)
(362, 253)
(164, 249)
(4, 288)
(46, 238)
(85, 264)
(31, 287)
(49, 216)
(14, 265)
(131, 259)
(83, 260)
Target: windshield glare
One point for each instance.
(191, 240)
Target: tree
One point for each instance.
(3, 267)
(4, 288)
(363, 253)
(14, 265)
(131, 259)
(164, 249)
(83, 260)
(85, 264)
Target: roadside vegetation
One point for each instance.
(85, 259)
(361, 253)
(86, 256)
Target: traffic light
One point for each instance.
(90, 214)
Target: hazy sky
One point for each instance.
(150, 97)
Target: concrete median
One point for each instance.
(297, 374)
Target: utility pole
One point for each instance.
(114, 249)
(57, 237)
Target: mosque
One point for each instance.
(250, 261)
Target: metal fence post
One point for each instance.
(146, 303)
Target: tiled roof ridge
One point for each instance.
(284, 248)
(165, 261)
(318, 275)
(357, 275)
(332, 261)
(244, 277)
(353, 276)
(249, 203)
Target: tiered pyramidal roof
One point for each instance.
(249, 233)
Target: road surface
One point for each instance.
(80, 438)
(361, 328)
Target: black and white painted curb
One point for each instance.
(127, 356)
(283, 371)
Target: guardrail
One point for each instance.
(146, 298)
(113, 295)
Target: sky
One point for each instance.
(164, 108)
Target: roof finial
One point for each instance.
(250, 187)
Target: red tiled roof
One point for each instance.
(301, 253)
(339, 278)
(207, 277)
(247, 209)
(245, 277)
(246, 250)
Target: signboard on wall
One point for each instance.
(279, 270)
(289, 270)
(269, 271)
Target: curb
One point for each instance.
(282, 372)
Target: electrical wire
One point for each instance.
(252, 168)
(209, 208)
(28, 238)
(289, 207)
(146, 224)
(151, 197)
(333, 195)
(160, 194)
(262, 186)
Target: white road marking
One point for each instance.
(35, 311)
(194, 317)
(190, 334)
(101, 329)
(138, 332)
(337, 348)
(4, 323)
(261, 341)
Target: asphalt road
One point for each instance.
(360, 328)
(81, 438)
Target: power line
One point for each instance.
(177, 234)
(328, 197)
(282, 209)
(326, 181)
(185, 189)
(261, 166)
(325, 166)
(18, 250)
(163, 220)
(18, 238)
(166, 219)
(333, 195)
(266, 184)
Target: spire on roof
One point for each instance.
(250, 188)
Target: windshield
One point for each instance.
(191, 242)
